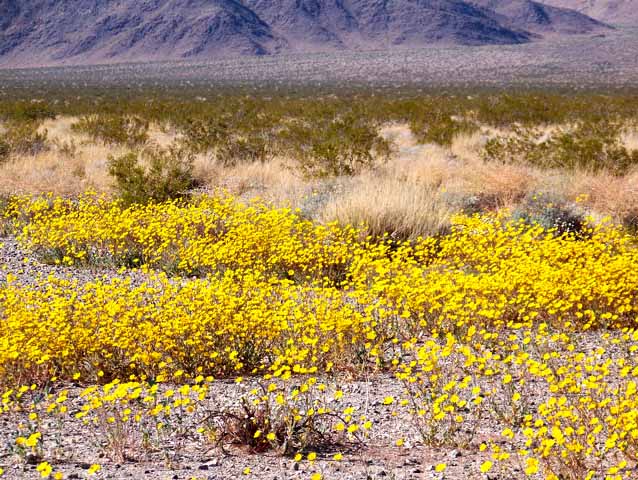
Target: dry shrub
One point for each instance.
(404, 210)
(131, 131)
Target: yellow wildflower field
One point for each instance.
(503, 338)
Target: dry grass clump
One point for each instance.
(404, 210)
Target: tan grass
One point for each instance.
(630, 138)
(404, 209)
(60, 129)
(51, 171)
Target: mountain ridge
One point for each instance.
(620, 12)
(50, 32)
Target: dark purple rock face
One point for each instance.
(39, 32)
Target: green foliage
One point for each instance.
(162, 174)
(591, 146)
(131, 131)
(343, 146)
(203, 136)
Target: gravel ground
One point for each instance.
(379, 459)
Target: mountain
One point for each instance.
(620, 12)
(539, 18)
(41, 32)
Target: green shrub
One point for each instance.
(630, 221)
(162, 174)
(591, 146)
(131, 131)
(343, 146)
(249, 149)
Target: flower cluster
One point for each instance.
(498, 323)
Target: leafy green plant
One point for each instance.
(202, 136)
(30, 111)
(164, 174)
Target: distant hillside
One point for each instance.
(38, 32)
(621, 12)
(538, 17)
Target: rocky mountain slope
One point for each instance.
(621, 12)
(39, 32)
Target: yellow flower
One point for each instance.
(486, 466)
(45, 469)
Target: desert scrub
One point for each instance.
(342, 146)
(552, 213)
(131, 131)
(27, 111)
(153, 175)
(22, 138)
(228, 143)
(590, 146)
(440, 128)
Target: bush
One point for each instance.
(22, 138)
(440, 128)
(551, 213)
(202, 136)
(131, 131)
(5, 149)
(591, 146)
(343, 146)
(165, 174)
(230, 140)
